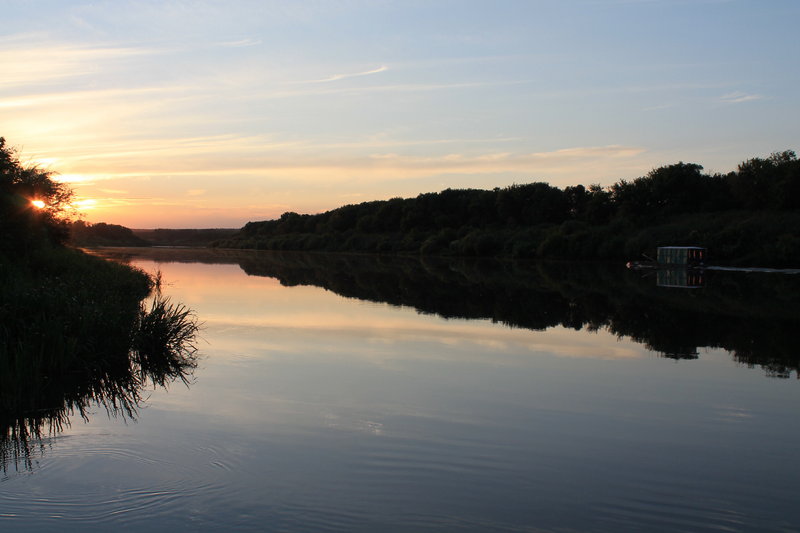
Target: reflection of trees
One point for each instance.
(39, 395)
(754, 316)
(751, 315)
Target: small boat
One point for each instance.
(691, 260)
(672, 257)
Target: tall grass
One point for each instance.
(75, 334)
(164, 347)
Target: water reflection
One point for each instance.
(753, 316)
(39, 396)
(680, 278)
(331, 410)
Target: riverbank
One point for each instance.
(737, 237)
(56, 297)
(76, 332)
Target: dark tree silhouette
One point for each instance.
(33, 207)
(747, 215)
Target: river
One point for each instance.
(347, 393)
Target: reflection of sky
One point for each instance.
(257, 308)
(312, 412)
(287, 346)
(299, 352)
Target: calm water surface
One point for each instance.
(315, 410)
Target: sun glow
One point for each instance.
(38, 204)
(86, 203)
(71, 178)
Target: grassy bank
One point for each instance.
(77, 331)
(61, 305)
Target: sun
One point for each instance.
(38, 204)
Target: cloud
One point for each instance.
(240, 43)
(71, 178)
(306, 166)
(337, 77)
(739, 97)
(545, 165)
(658, 107)
(269, 179)
(87, 97)
(393, 88)
(84, 203)
(31, 65)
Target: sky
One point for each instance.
(209, 113)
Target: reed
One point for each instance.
(75, 334)
(164, 344)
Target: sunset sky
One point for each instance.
(202, 113)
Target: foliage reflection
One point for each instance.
(753, 316)
(40, 394)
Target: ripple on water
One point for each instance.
(671, 506)
(96, 484)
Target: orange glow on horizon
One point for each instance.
(86, 203)
(38, 204)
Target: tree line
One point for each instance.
(748, 214)
(87, 234)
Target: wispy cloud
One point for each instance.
(739, 97)
(89, 96)
(325, 90)
(658, 107)
(306, 167)
(241, 43)
(189, 177)
(337, 77)
(26, 65)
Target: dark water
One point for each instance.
(343, 393)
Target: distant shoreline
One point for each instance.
(747, 217)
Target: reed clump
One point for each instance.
(164, 342)
(78, 332)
